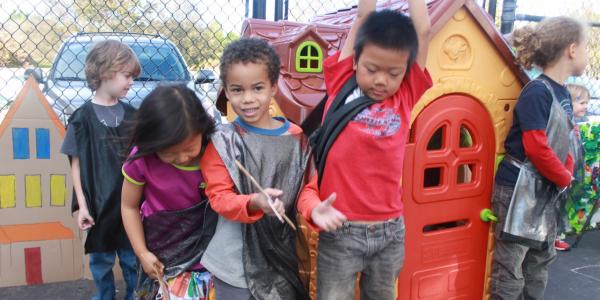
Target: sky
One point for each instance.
(554, 7)
(532, 7)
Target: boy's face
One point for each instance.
(580, 105)
(249, 91)
(579, 55)
(380, 71)
(117, 86)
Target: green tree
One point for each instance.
(31, 38)
(37, 36)
(109, 15)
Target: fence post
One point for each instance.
(247, 11)
(508, 16)
(492, 9)
(278, 10)
(259, 9)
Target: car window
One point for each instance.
(160, 62)
(70, 65)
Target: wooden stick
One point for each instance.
(257, 185)
(163, 284)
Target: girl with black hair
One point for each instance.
(171, 228)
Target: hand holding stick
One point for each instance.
(164, 287)
(257, 185)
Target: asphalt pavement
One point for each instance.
(574, 275)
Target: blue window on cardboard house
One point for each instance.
(42, 143)
(20, 141)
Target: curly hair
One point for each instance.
(250, 50)
(543, 44)
(107, 58)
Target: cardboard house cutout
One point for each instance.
(39, 239)
(457, 132)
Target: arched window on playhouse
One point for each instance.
(309, 58)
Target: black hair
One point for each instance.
(168, 116)
(250, 50)
(388, 29)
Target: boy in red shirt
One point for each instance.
(386, 51)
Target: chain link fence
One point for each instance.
(530, 12)
(175, 40)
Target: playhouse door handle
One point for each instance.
(487, 215)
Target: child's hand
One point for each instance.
(84, 220)
(326, 216)
(151, 265)
(260, 202)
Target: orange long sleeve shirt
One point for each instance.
(225, 200)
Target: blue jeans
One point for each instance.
(376, 251)
(101, 264)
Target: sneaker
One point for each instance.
(561, 245)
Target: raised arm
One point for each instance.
(365, 7)
(420, 17)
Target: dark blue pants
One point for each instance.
(101, 265)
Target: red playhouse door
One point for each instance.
(33, 266)
(448, 176)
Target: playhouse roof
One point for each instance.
(303, 91)
(440, 11)
(32, 85)
(286, 32)
(294, 36)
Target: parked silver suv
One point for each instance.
(66, 87)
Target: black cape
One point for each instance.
(101, 156)
(178, 238)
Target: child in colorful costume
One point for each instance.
(165, 209)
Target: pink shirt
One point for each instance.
(167, 187)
